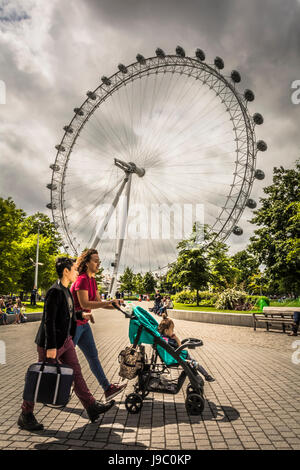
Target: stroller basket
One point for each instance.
(155, 382)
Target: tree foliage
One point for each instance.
(276, 242)
(127, 280)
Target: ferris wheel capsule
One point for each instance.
(180, 51)
(106, 80)
(68, 129)
(51, 186)
(51, 206)
(249, 95)
(92, 95)
(200, 54)
(60, 148)
(160, 53)
(219, 63)
(237, 230)
(54, 167)
(141, 59)
(251, 203)
(235, 76)
(261, 145)
(122, 68)
(259, 175)
(78, 111)
(257, 118)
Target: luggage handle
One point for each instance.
(57, 364)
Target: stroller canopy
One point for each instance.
(149, 333)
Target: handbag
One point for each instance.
(131, 361)
(48, 383)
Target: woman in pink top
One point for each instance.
(86, 298)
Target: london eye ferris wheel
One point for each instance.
(164, 130)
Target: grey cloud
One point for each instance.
(88, 38)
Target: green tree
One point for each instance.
(149, 283)
(11, 220)
(138, 284)
(46, 272)
(222, 269)
(276, 242)
(247, 266)
(191, 268)
(42, 222)
(127, 280)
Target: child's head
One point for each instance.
(166, 326)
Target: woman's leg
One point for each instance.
(87, 345)
(78, 333)
(67, 355)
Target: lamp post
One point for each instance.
(36, 264)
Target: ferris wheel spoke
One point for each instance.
(181, 93)
(99, 130)
(172, 123)
(163, 141)
(185, 139)
(152, 129)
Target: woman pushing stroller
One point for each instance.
(166, 329)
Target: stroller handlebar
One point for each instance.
(190, 343)
(127, 315)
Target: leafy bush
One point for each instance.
(233, 299)
(190, 297)
(185, 297)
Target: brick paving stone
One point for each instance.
(247, 407)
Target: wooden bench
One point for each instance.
(275, 316)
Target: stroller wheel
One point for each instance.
(194, 403)
(133, 403)
(191, 389)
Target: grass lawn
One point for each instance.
(31, 308)
(210, 309)
(292, 303)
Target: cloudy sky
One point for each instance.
(53, 52)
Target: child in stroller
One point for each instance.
(166, 329)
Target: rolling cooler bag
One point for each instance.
(48, 383)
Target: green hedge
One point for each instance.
(190, 297)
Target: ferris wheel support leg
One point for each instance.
(113, 285)
(109, 214)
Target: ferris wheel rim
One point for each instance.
(138, 71)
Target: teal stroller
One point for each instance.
(151, 375)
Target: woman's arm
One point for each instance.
(51, 308)
(83, 298)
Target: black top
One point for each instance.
(59, 319)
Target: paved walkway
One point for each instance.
(254, 403)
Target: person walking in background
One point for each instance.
(295, 324)
(86, 298)
(33, 296)
(54, 341)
